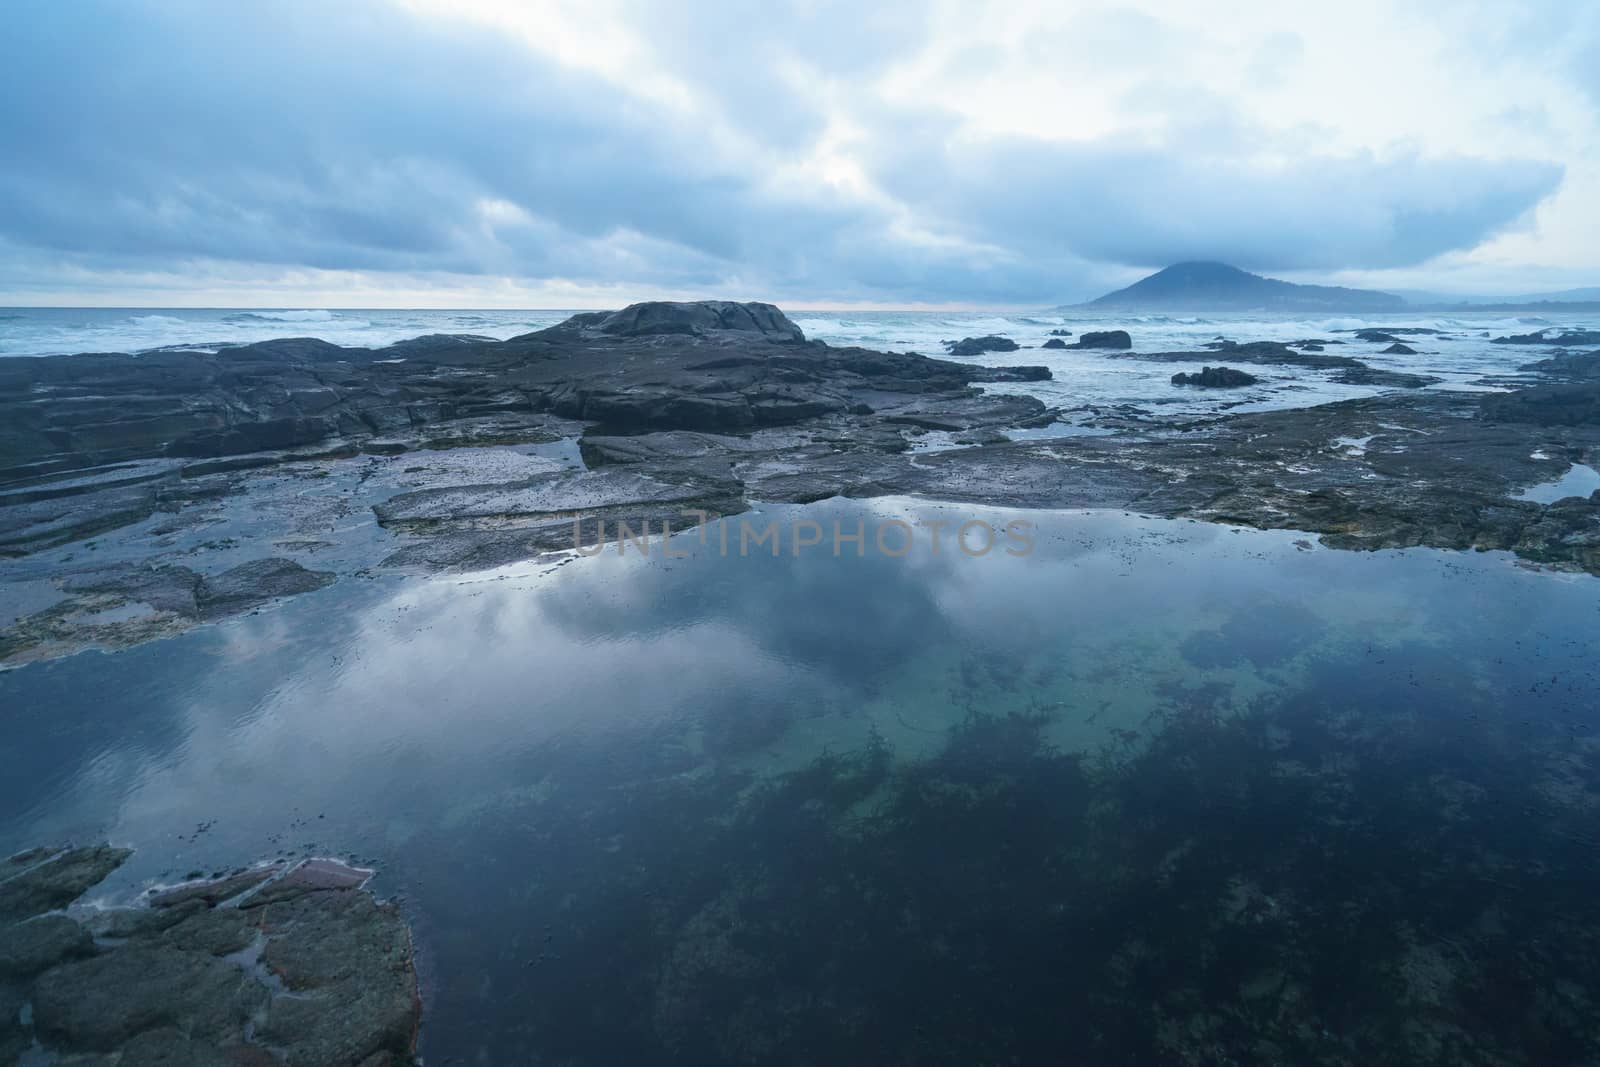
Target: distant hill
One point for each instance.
(1219, 287)
(1590, 295)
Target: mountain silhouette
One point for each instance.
(1219, 287)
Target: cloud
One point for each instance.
(822, 153)
(1138, 205)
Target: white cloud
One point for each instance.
(484, 150)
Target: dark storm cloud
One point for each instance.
(355, 136)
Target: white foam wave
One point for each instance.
(307, 315)
(811, 326)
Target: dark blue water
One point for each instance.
(1157, 792)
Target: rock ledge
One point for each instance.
(281, 964)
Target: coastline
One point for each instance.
(144, 495)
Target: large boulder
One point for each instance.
(697, 318)
(1103, 339)
(1216, 378)
(977, 346)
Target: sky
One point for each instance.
(815, 153)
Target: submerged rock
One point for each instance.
(1349, 370)
(175, 984)
(1399, 348)
(124, 604)
(977, 346)
(1365, 375)
(249, 584)
(1216, 378)
(1054, 342)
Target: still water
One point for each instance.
(1157, 792)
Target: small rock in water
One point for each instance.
(1216, 378)
(976, 346)
(1104, 339)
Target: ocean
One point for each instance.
(1462, 358)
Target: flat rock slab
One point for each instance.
(21, 861)
(40, 943)
(316, 973)
(249, 584)
(215, 890)
(554, 494)
(98, 1004)
(57, 882)
(311, 876)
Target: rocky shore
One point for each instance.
(275, 965)
(141, 495)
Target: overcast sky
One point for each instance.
(483, 153)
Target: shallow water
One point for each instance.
(1580, 480)
(1155, 788)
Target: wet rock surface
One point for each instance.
(1103, 339)
(977, 346)
(147, 494)
(1551, 405)
(1216, 378)
(141, 496)
(1570, 366)
(1551, 337)
(267, 966)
